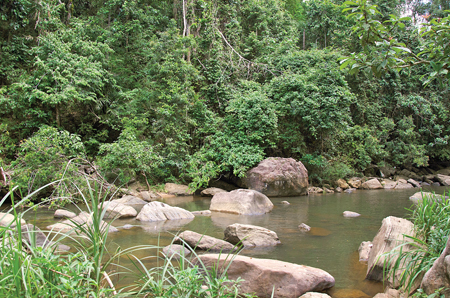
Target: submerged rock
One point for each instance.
(241, 201)
(350, 214)
(61, 213)
(304, 227)
(202, 213)
(203, 242)
(278, 177)
(79, 223)
(250, 235)
(262, 276)
(364, 250)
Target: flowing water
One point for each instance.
(331, 246)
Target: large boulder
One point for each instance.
(203, 242)
(178, 189)
(156, 211)
(389, 237)
(372, 184)
(438, 275)
(278, 177)
(262, 276)
(241, 201)
(117, 210)
(249, 235)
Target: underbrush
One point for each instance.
(91, 268)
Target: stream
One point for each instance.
(332, 245)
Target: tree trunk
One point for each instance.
(58, 115)
(304, 39)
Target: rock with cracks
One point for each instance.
(390, 236)
(278, 177)
(203, 242)
(157, 211)
(262, 276)
(250, 236)
(241, 201)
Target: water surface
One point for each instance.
(333, 247)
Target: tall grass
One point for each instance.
(27, 270)
(188, 276)
(431, 218)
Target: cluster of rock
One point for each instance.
(382, 253)
(260, 276)
(403, 179)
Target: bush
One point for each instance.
(129, 156)
(49, 155)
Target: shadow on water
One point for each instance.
(331, 245)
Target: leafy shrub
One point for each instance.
(247, 129)
(129, 156)
(49, 155)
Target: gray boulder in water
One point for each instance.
(156, 211)
(278, 177)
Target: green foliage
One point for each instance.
(7, 146)
(321, 170)
(131, 155)
(312, 98)
(49, 155)
(248, 128)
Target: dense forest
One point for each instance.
(191, 90)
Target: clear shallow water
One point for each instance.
(333, 248)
